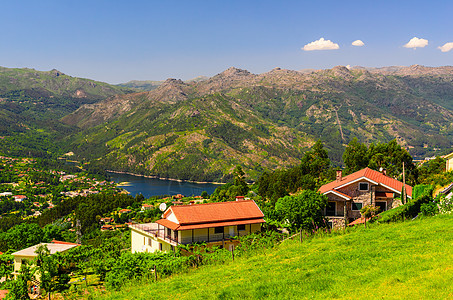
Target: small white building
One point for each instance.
(213, 223)
(29, 254)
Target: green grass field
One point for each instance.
(410, 260)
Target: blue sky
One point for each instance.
(118, 41)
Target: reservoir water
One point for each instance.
(149, 187)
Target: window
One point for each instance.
(363, 186)
(241, 227)
(331, 208)
(357, 205)
(330, 224)
(150, 242)
(160, 246)
(218, 230)
(382, 206)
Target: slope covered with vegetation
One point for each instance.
(32, 103)
(201, 130)
(396, 261)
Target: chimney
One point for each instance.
(339, 175)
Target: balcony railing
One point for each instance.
(157, 231)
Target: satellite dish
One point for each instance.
(162, 206)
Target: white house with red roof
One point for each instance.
(213, 223)
(347, 195)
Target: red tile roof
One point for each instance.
(370, 175)
(358, 221)
(63, 243)
(213, 215)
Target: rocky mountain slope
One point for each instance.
(32, 102)
(27, 93)
(149, 85)
(201, 130)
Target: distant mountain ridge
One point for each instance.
(149, 85)
(201, 130)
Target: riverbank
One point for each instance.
(162, 178)
(150, 186)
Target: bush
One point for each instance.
(429, 209)
(406, 211)
(421, 190)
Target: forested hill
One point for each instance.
(201, 130)
(32, 102)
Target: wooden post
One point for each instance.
(403, 196)
(232, 252)
(301, 235)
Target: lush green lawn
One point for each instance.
(410, 260)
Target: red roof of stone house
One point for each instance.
(213, 215)
(369, 175)
(358, 221)
(125, 210)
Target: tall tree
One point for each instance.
(302, 211)
(355, 156)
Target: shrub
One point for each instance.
(408, 210)
(429, 209)
(421, 190)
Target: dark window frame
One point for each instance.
(241, 227)
(354, 206)
(219, 230)
(367, 186)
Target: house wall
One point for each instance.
(171, 217)
(364, 197)
(201, 235)
(449, 163)
(141, 242)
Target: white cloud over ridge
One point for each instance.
(358, 43)
(447, 47)
(415, 42)
(321, 44)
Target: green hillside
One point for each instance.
(201, 130)
(410, 260)
(32, 103)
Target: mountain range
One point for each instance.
(201, 129)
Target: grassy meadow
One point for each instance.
(408, 260)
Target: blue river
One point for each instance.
(149, 187)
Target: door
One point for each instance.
(231, 231)
(331, 208)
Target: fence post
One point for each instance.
(301, 235)
(232, 253)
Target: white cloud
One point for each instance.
(415, 42)
(321, 44)
(447, 47)
(358, 43)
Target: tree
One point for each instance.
(6, 265)
(369, 211)
(239, 182)
(304, 210)
(21, 236)
(46, 268)
(355, 156)
(19, 287)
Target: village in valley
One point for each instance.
(66, 232)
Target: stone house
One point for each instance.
(213, 223)
(347, 195)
